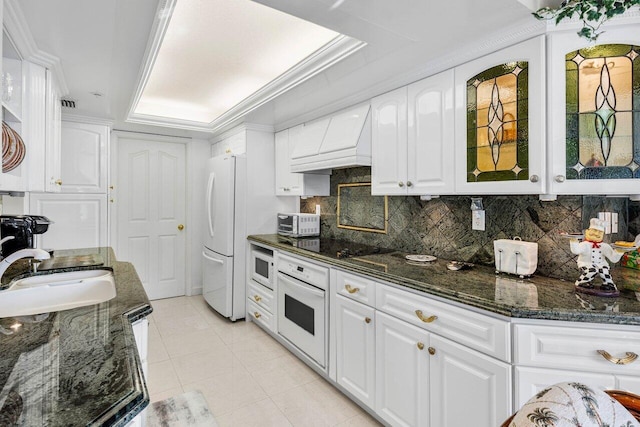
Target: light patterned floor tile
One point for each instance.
(192, 342)
(263, 413)
(178, 325)
(255, 352)
(229, 391)
(207, 364)
(162, 377)
(155, 397)
(156, 351)
(360, 420)
(165, 313)
(278, 377)
(315, 404)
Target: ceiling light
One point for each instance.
(214, 55)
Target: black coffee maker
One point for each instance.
(23, 228)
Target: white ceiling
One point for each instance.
(101, 45)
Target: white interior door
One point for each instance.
(151, 213)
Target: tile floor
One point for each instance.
(247, 377)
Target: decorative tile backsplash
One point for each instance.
(442, 226)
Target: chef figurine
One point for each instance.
(592, 259)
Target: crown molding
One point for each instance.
(334, 51)
(17, 28)
(505, 37)
(241, 128)
(86, 119)
(147, 136)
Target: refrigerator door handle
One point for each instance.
(210, 189)
(204, 254)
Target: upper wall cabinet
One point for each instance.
(500, 126)
(290, 183)
(412, 138)
(84, 157)
(594, 111)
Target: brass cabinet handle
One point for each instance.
(256, 315)
(58, 182)
(367, 320)
(431, 351)
(257, 298)
(180, 227)
(424, 318)
(630, 357)
(351, 289)
(420, 346)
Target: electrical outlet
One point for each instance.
(477, 220)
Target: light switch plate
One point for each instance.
(477, 220)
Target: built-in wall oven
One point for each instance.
(262, 270)
(302, 306)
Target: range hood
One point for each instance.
(339, 141)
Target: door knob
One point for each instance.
(180, 227)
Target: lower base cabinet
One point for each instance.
(355, 348)
(402, 372)
(467, 387)
(141, 334)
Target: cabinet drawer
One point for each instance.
(356, 287)
(483, 333)
(260, 315)
(261, 296)
(576, 348)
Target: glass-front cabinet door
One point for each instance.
(500, 146)
(594, 119)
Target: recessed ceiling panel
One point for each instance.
(216, 53)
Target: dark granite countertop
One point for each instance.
(78, 366)
(538, 297)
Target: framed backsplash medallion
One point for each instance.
(358, 210)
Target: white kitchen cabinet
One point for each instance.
(389, 135)
(590, 90)
(355, 347)
(461, 375)
(79, 220)
(141, 335)
(412, 138)
(500, 122)
(84, 157)
(402, 372)
(42, 129)
(547, 353)
(290, 183)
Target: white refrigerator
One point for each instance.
(223, 251)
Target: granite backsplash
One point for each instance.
(442, 226)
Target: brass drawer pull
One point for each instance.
(367, 319)
(420, 346)
(622, 361)
(257, 315)
(424, 318)
(257, 298)
(432, 351)
(351, 289)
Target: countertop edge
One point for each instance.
(456, 297)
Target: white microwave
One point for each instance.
(298, 224)
(262, 270)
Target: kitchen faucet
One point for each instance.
(35, 253)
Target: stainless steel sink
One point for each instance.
(55, 292)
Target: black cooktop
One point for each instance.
(333, 248)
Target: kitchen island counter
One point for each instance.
(538, 297)
(78, 366)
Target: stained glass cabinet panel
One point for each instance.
(500, 146)
(594, 120)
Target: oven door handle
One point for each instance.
(304, 288)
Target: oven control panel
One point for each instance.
(303, 270)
